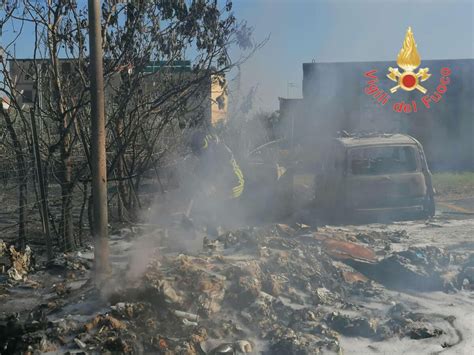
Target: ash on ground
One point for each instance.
(278, 289)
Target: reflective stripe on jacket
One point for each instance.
(212, 142)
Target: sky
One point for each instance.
(345, 30)
(300, 31)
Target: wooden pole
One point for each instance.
(98, 154)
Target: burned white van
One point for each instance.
(373, 175)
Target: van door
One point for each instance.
(384, 177)
(329, 181)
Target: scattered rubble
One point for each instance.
(277, 290)
(425, 269)
(422, 331)
(20, 263)
(373, 237)
(466, 276)
(352, 326)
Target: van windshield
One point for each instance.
(382, 160)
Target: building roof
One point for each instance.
(151, 67)
(376, 139)
(385, 62)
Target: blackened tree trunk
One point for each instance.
(21, 178)
(85, 199)
(122, 189)
(67, 231)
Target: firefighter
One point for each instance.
(219, 176)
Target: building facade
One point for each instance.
(337, 97)
(210, 99)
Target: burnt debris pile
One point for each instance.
(278, 289)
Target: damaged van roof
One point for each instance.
(379, 139)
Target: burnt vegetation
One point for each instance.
(153, 94)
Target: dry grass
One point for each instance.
(456, 185)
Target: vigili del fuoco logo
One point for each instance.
(408, 79)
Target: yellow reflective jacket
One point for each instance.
(218, 165)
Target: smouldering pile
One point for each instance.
(277, 290)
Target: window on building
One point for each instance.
(27, 96)
(30, 73)
(66, 68)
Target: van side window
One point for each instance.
(408, 159)
(382, 160)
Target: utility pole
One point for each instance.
(98, 156)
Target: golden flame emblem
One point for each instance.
(408, 59)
